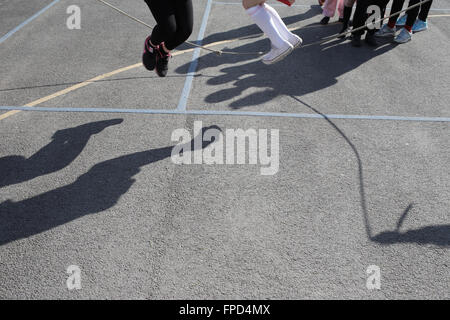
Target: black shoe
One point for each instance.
(370, 40)
(149, 55)
(356, 40)
(343, 30)
(162, 62)
(325, 20)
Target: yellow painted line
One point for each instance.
(8, 114)
(102, 77)
(70, 89)
(438, 15)
(81, 85)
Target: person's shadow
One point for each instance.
(65, 147)
(95, 191)
(252, 29)
(308, 69)
(247, 32)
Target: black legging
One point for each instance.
(397, 5)
(424, 10)
(174, 18)
(360, 16)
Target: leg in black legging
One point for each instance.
(360, 16)
(424, 10)
(397, 6)
(347, 16)
(164, 14)
(383, 4)
(174, 20)
(412, 13)
(184, 16)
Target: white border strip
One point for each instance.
(305, 5)
(231, 113)
(271, 4)
(194, 62)
(23, 24)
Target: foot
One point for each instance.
(277, 54)
(344, 31)
(370, 40)
(386, 31)
(419, 25)
(325, 20)
(295, 41)
(162, 61)
(356, 40)
(401, 21)
(149, 55)
(403, 37)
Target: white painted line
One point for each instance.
(194, 62)
(23, 24)
(305, 5)
(271, 4)
(232, 113)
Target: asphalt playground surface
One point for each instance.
(99, 190)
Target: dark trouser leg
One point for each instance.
(383, 4)
(397, 6)
(424, 10)
(347, 15)
(412, 13)
(360, 16)
(164, 13)
(184, 17)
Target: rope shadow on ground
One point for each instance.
(51, 85)
(438, 235)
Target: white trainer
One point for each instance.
(277, 54)
(295, 41)
(386, 31)
(404, 36)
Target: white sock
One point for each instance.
(281, 27)
(266, 23)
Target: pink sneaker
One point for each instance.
(149, 55)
